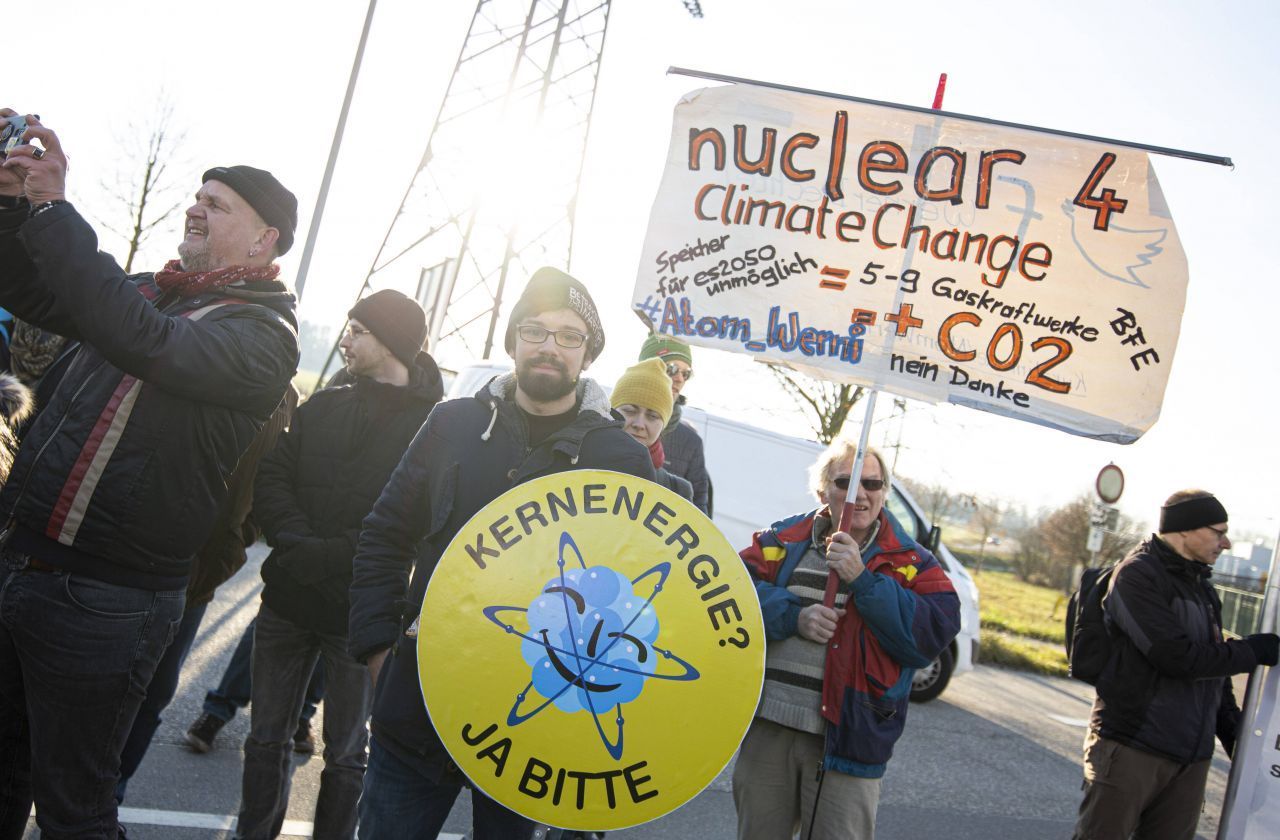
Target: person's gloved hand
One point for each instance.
(317, 562)
(304, 560)
(1266, 647)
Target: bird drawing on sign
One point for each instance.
(1119, 252)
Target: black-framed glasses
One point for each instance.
(871, 485)
(673, 370)
(1222, 533)
(354, 332)
(534, 334)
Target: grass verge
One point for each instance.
(1023, 654)
(1022, 624)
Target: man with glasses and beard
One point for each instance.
(837, 671)
(544, 418)
(1163, 695)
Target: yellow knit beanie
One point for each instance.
(645, 385)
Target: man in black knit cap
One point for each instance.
(1164, 694)
(313, 491)
(120, 478)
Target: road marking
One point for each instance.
(1069, 721)
(191, 819)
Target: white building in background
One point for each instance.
(1246, 560)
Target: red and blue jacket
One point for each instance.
(901, 612)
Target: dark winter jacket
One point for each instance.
(122, 473)
(685, 457)
(318, 484)
(470, 452)
(680, 486)
(223, 554)
(902, 611)
(1165, 690)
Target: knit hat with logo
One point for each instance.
(550, 289)
(665, 348)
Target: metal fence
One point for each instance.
(1241, 610)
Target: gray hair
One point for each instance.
(837, 452)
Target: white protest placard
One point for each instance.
(1024, 273)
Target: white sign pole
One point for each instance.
(1251, 808)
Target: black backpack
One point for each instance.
(1088, 637)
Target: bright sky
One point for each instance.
(262, 83)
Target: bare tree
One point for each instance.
(987, 516)
(827, 403)
(142, 179)
(936, 498)
(1055, 544)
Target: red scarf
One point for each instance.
(657, 455)
(172, 278)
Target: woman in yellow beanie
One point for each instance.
(642, 398)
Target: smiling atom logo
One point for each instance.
(591, 643)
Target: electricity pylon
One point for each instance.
(495, 194)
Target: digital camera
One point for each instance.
(11, 135)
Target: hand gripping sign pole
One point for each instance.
(855, 479)
(1027, 272)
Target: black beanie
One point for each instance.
(277, 206)
(395, 320)
(550, 289)
(1190, 514)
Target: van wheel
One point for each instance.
(928, 682)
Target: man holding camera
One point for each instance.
(119, 479)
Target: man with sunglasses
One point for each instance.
(1164, 694)
(544, 418)
(837, 671)
(681, 445)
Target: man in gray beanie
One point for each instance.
(1164, 695)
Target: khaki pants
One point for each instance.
(1131, 792)
(776, 778)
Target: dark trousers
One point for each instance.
(236, 686)
(1131, 793)
(400, 802)
(284, 658)
(164, 685)
(76, 655)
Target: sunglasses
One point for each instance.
(871, 485)
(674, 370)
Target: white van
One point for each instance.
(759, 477)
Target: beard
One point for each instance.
(541, 386)
(194, 256)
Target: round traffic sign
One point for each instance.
(1110, 483)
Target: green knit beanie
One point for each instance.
(665, 348)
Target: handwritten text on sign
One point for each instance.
(1009, 270)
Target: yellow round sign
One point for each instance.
(590, 650)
